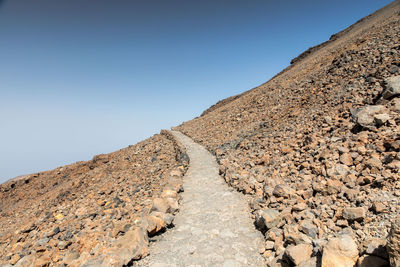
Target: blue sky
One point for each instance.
(83, 77)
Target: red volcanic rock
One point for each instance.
(91, 212)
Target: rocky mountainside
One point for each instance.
(317, 149)
(85, 212)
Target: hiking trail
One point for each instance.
(213, 226)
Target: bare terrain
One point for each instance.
(77, 213)
(314, 154)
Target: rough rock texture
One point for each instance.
(392, 87)
(299, 254)
(371, 261)
(95, 213)
(319, 143)
(340, 251)
(394, 243)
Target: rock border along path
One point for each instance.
(213, 226)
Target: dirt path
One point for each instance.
(213, 227)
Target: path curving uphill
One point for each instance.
(213, 227)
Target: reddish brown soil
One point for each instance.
(81, 208)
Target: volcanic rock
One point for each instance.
(299, 254)
(393, 245)
(371, 114)
(340, 251)
(267, 219)
(392, 87)
(354, 214)
(369, 261)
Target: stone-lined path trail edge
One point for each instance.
(213, 226)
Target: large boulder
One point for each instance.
(371, 115)
(340, 252)
(392, 87)
(132, 246)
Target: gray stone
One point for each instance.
(392, 87)
(338, 170)
(96, 262)
(231, 263)
(293, 236)
(366, 116)
(267, 219)
(354, 214)
(393, 69)
(42, 241)
(318, 245)
(309, 229)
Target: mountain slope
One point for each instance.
(315, 150)
(319, 142)
(78, 212)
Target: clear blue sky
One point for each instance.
(83, 77)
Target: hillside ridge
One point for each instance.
(304, 55)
